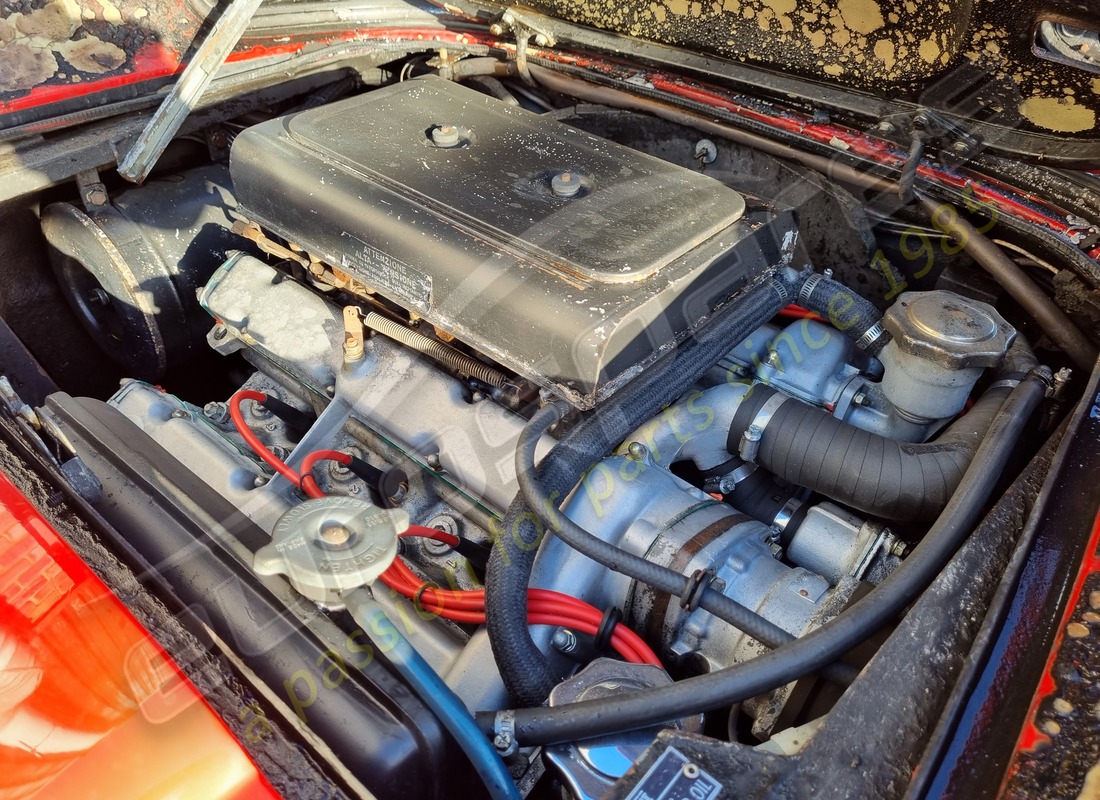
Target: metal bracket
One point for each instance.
(522, 26)
(93, 194)
(188, 90)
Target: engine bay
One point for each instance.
(572, 402)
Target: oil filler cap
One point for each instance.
(330, 545)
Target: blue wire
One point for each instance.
(444, 703)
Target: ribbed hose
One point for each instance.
(807, 446)
(854, 316)
(447, 356)
(646, 707)
(526, 670)
(634, 566)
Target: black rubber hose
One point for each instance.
(809, 447)
(854, 316)
(762, 498)
(647, 707)
(634, 566)
(526, 670)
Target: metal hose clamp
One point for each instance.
(870, 336)
(750, 439)
(808, 288)
(504, 733)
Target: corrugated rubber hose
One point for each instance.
(807, 446)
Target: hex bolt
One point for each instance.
(279, 452)
(860, 399)
(98, 295)
(97, 197)
(541, 40)
(260, 480)
(565, 184)
(446, 136)
(220, 332)
(434, 462)
(564, 640)
(179, 413)
(217, 413)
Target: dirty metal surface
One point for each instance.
(937, 53)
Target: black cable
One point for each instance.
(647, 707)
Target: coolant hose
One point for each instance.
(527, 672)
(854, 316)
(636, 567)
(435, 694)
(807, 654)
(806, 446)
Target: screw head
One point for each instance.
(179, 413)
(98, 295)
(637, 451)
(706, 151)
(259, 481)
(446, 136)
(565, 184)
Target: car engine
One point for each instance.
(445, 303)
